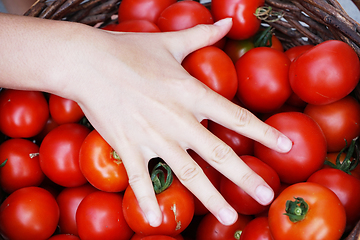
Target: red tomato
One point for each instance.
(22, 168)
(64, 110)
(211, 229)
(64, 237)
(29, 213)
(307, 153)
(100, 216)
(59, 154)
(242, 202)
(236, 48)
(136, 25)
(149, 10)
(325, 73)
(214, 68)
(50, 125)
(68, 200)
(109, 27)
(263, 79)
(331, 157)
(276, 44)
(257, 229)
(245, 23)
(339, 120)
(23, 114)
(101, 165)
(324, 219)
(296, 51)
(182, 15)
(156, 237)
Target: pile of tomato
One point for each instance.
(61, 180)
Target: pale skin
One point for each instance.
(134, 91)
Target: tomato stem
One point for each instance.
(263, 38)
(296, 210)
(3, 163)
(266, 13)
(160, 183)
(237, 234)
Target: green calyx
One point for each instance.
(296, 210)
(263, 38)
(3, 163)
(160, 180)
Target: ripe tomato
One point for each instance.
(245, 23)
(22, 168)
(214, 68)
(236, 48)
(29, 213)
(136, 25)
(149, 10)
(64, 237)
(182, 15)
(59, 154)
(156, 237)
(307, 153)
(23, 114)
(331, 157)
(64, 110)
(100, 216)
(276, 44)
(257, 229)
(263, 79)
(50, 125)
(296, 51)
(101, 165)
(326, 73)
(339, 120)
(323, 219)
(242, 202)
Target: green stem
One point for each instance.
(237, 234)
(160, 183)
(3, 163)
(296, 210)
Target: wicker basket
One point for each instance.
(302, 22)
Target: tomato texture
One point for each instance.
(263, 79)
(136, 25)
(325, 218)
(214, 68)
(23, 114)
(101, 165)
(155, 237)
(29, 213)
(326, 73)
(64, 237)
(64, 110)
(296, 51)
(257, 229)
(236, 48)
(307, 154)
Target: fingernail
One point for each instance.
(284, 144)
(223, 22)
(264, 194)
(152, 219)
(227, 216)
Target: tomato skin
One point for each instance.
(245, 23)
(59, 154)
(182, 15)
(326, 73)
(308, 151)
(175, 195)
(325, 219)
(136, 26)
(29, 213)
(296, 51)
(64, 110)
(155, 237)
(214, 68)
(257, 229)
(236, 48)
(263, 79)
(100, 216)
(64, 237)
(242, 202)
(23, 114)
(100, 165)
(21, 169)
(339, 120)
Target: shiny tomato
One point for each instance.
(156, 237)
(245, 23)
(326, 73)
(257, 229)
(101, 165)
(236, 48)
(50, 125)
(316, 213)
(100, 216)
(136, 25)
(214, 68)
(59, 154)
(276, 44)
(29, 213)
(64, 110)
(296, 51)
(22, 167)
(23, 114)
(182, 15)
(307, 153)
(64, 237)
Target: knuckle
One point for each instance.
(221, 153)
(189, 172)
(247, 179)
(243, 117)
(136, 179)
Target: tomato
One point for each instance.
(156, 237)
(257, 229)
(109, 27)
(22, 168)
(50, 125)
(324, 218)
(182, 15)
(101, 165)
(326, 73)
(214, 68)
(64, 237)
(307, 153)
(59, 154)
(23, 114)
(296, 51)
(68, 201)
(29, 213)
(242, 202)
(211, 229)
(331, 157)
(276, 44)
(236, 48)
(176, 204)
(136, 25)
(64, 110)
(339, 120)
(245, 23)
(263, 79)
(149, 10)
(100, 216)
